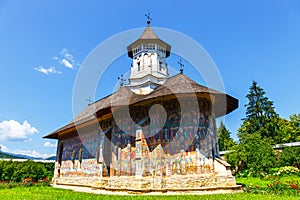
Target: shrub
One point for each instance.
(288, 170)
(19, 171)
(290, 157)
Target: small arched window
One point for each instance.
(139, 66)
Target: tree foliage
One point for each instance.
(254, 153)
(18, 171)
(260, 115)
(260, 130)
(289, 130)
(224, 139)
(290, 157)
(295, 123)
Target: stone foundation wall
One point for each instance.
(91, 176)
(179, 182)
(147, 183)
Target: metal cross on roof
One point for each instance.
(90, 100)
(181, 66)
(121, 80)
(148, 18)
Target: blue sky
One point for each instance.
(43, 43)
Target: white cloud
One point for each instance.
(14, 131)
(64, 58)
(49, 144)
(4, 148)
(66, 63)
(47, 71)
(65, 53)
(67, 59)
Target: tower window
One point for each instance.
(139, 66)
(160, 66)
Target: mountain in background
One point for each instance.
(17, 156)
(7, 155)
(51, 158)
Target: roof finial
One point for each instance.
(90, 100)
(148, 18)
(121, 80)
(181, 66)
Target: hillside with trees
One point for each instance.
(10, 156)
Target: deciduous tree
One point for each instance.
(254, 153)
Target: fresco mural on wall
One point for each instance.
(81, 153)
(178, 147)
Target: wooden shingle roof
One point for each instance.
(148, 36)
(176, 85)
(182, 84)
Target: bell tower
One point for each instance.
(149, 68)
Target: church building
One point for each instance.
(156, 133)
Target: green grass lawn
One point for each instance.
(49, 193)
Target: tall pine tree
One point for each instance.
(224, 139)
(260, 115)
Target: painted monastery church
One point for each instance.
(156, 133)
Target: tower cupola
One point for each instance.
(149, 68)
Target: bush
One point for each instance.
(290, 157)
(28, 182)
(288, 170)
(19, 171)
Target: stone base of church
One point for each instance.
(220, 178)
(207, 182)
(167, 183)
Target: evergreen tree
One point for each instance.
(260, 115)
(224, 139)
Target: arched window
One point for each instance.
(139, 66)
